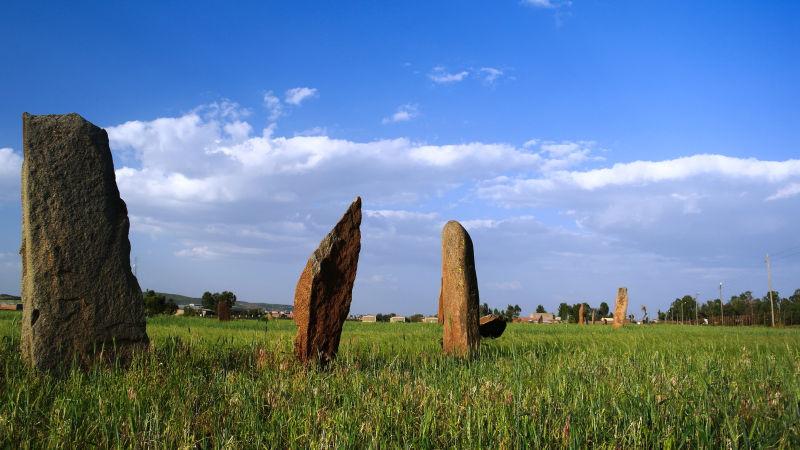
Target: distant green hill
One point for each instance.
(182, 300)
(9, 298)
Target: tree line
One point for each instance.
(742, 309)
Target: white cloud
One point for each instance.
(440, 76)
(400, 214)
(216, 250)
(10, 167)
(273, 105)
(547, 4)
(637, 173)
(298, 95)
(186, 161)
(490, 74)
(404, 113)
(505, 285)
(787, 191)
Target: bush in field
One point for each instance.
(157, 304)
(210, 300)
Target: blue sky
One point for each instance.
(586, 144)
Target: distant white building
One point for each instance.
(397, 319)
(432, 319)
(369, 319)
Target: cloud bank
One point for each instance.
(213, 199)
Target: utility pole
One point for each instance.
(721, 312)
(769, 284)
(682, 316)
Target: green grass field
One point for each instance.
(210, 384)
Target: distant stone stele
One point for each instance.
(81, 301)
(491, 326)
(459, 294)
(325, 289)
(223, 311)
(621, 307)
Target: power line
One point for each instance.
(795, 248)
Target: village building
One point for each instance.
(432, 319)
(396, 319)
(544, 318)
(369, 319)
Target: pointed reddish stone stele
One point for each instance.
(581, 315)
(325, 289)
(459, 294)
(81, 301)
(621, 307)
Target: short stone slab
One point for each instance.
(81, 301)
(325, 289)
(459, 294)
(491, 326)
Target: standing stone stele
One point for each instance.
(223, 311)
(81, 301)
(325, 289)
(621, 307)
(581, 315)
(459, 294)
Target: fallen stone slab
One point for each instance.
(491, 326)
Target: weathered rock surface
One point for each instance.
(440, 315)
(621, 307)
(459, 294)
(491, 326)
(81, 301)
(325, 289)
(581, 315)
(223, 311)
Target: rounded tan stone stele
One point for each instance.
(459, 294)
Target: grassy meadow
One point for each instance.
(211, 384)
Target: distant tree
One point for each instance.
(384, 317)
(416, 318)
(485, 310)
(603, 310)
(564, 311)
(540, 310)
(157, 304)
(210, 300)
(511, 312)
(188, 311)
